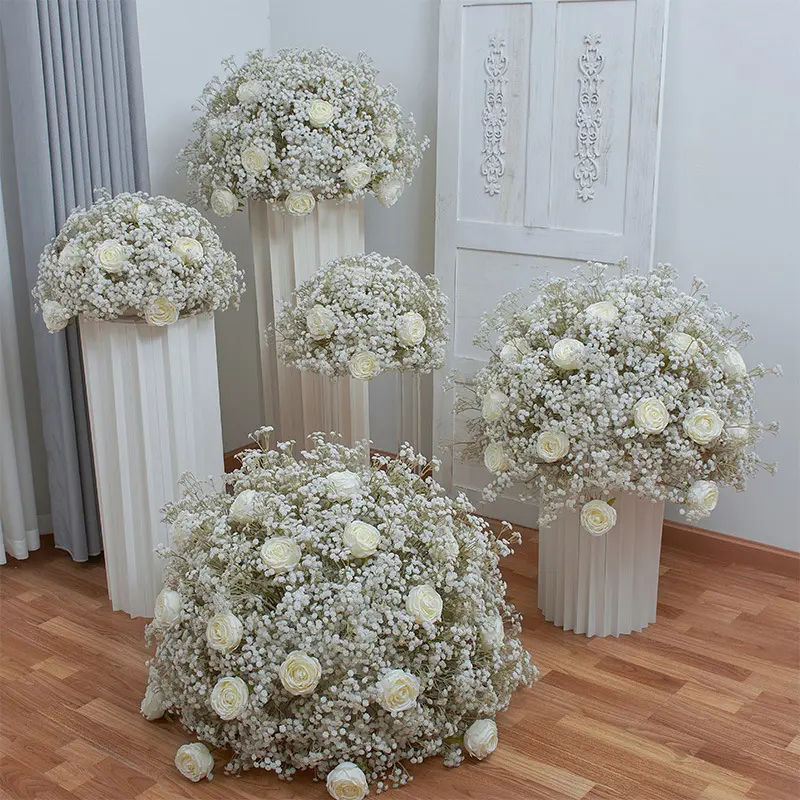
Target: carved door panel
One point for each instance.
(547, 155)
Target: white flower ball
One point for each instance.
(153, 705)
(229, 697)
(598, 517)
(246, 507)
(168, 608)
(495, 458)
(281, 553)
(224, 632)
(161, 312)
(300, 204)
(567, 354)
(603, 312)
(494, 404)
(347, 781)
(703, 425)
(650, 415)
(365, 365)
(194, 761)
(410, 328)
(361, 538)
(480, 739)
(223, 202)
(250, 92)
(344, 485)
(514, 350)
(254, 159)
(321, 322)
(300, 673)
(320, 113)
(424, 603)
(493, 632)
(388, 136)
(389, 191)
(682, 343)
(55, 316)
(111, 256)
(357, 176)
(552, 446)
(187, 249)
(398, 690)
(733, 364)
(703, 495)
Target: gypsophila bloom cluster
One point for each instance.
(613, 384)
(333, 616)
(134, 255)
(361, 315)
(299, 127)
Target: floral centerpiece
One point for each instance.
(333, 616)
(361, 315)
(134, 255)
(299, 127)
(614, 384)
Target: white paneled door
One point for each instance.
(547, 155)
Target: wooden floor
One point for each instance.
(703, 704)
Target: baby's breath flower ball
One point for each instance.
(136, 256)
(299, 127)
(381, 640)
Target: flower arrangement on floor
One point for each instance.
(614, 384)
(134, 255)
(333, 616)
(299, 127)
(361, 315)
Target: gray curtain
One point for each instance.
(78, 120)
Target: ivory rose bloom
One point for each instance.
(250, 92)
(604, 312)
(223, 202)
(493, 632)
(424, 603)
(495, 458)
(514, 350)
(598, 517)
(245, 508)
(161, 312)
(281, 553)
(682, 343)
(321, 322)
(224, 632)
(398, 690)
(703, 495)
(357, 176)
(180, 530)
(703, 425)
(650, 415)
(552, 446)
(187, 249)
(365, 365)
(347, 781)
(142, 212)
(55, 316)
(111, 256)
(168, 607)
(344, 485)
(567, 354)
(410, 329)
(361, 538)
(388, 136)
(320, 113)
(480, 739)
(254, 159)
(229, 697)
(70, 256)
(300, 673)
(737, 429)
(733, 364)
(194, 761)
(389, 191)
(153, 706)
(299, 204)
(494, 404)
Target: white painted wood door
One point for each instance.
(547, 155)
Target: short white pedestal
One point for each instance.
(602, 585)
(153, 399)
(287, 250)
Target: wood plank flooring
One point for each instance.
(704, 704)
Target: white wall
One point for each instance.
(182, 45)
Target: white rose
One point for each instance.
(480, 739)
(300, 204)
(246, 508)
(250, 91)
(737, 429)
(365, 365)
(347, 781)
(398, 690)
(410, 328)
(111, 256)
(300, 673)
(388, 136)
(494, 404)
(703, 425)
(733, 364)
(224, 632)
(161, 312)
(514, 351)
(321, 322)
(357, 176)
(603, 311)
(552, 446)
(168, 608)
(254, 159)
(598, 517)
(703, 495)
(492, 633)
(153, 705)
(214, 132)
(187, 249)
(55, 316)
(650, 415)
(229, 697)
(320, 113)
(223, 202)
(424, 603)
(194, 761)
(180, 530)
(70, 256)
(344, 485)
(495, 458)
(567, 353)
(143, 211)
(389, 191)
(361, 538)
(682, 343)
(281, 553)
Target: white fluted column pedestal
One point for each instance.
(602, 585)
(153, 398)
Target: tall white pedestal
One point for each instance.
(153, 399)
(602, 585)
(287, 250)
